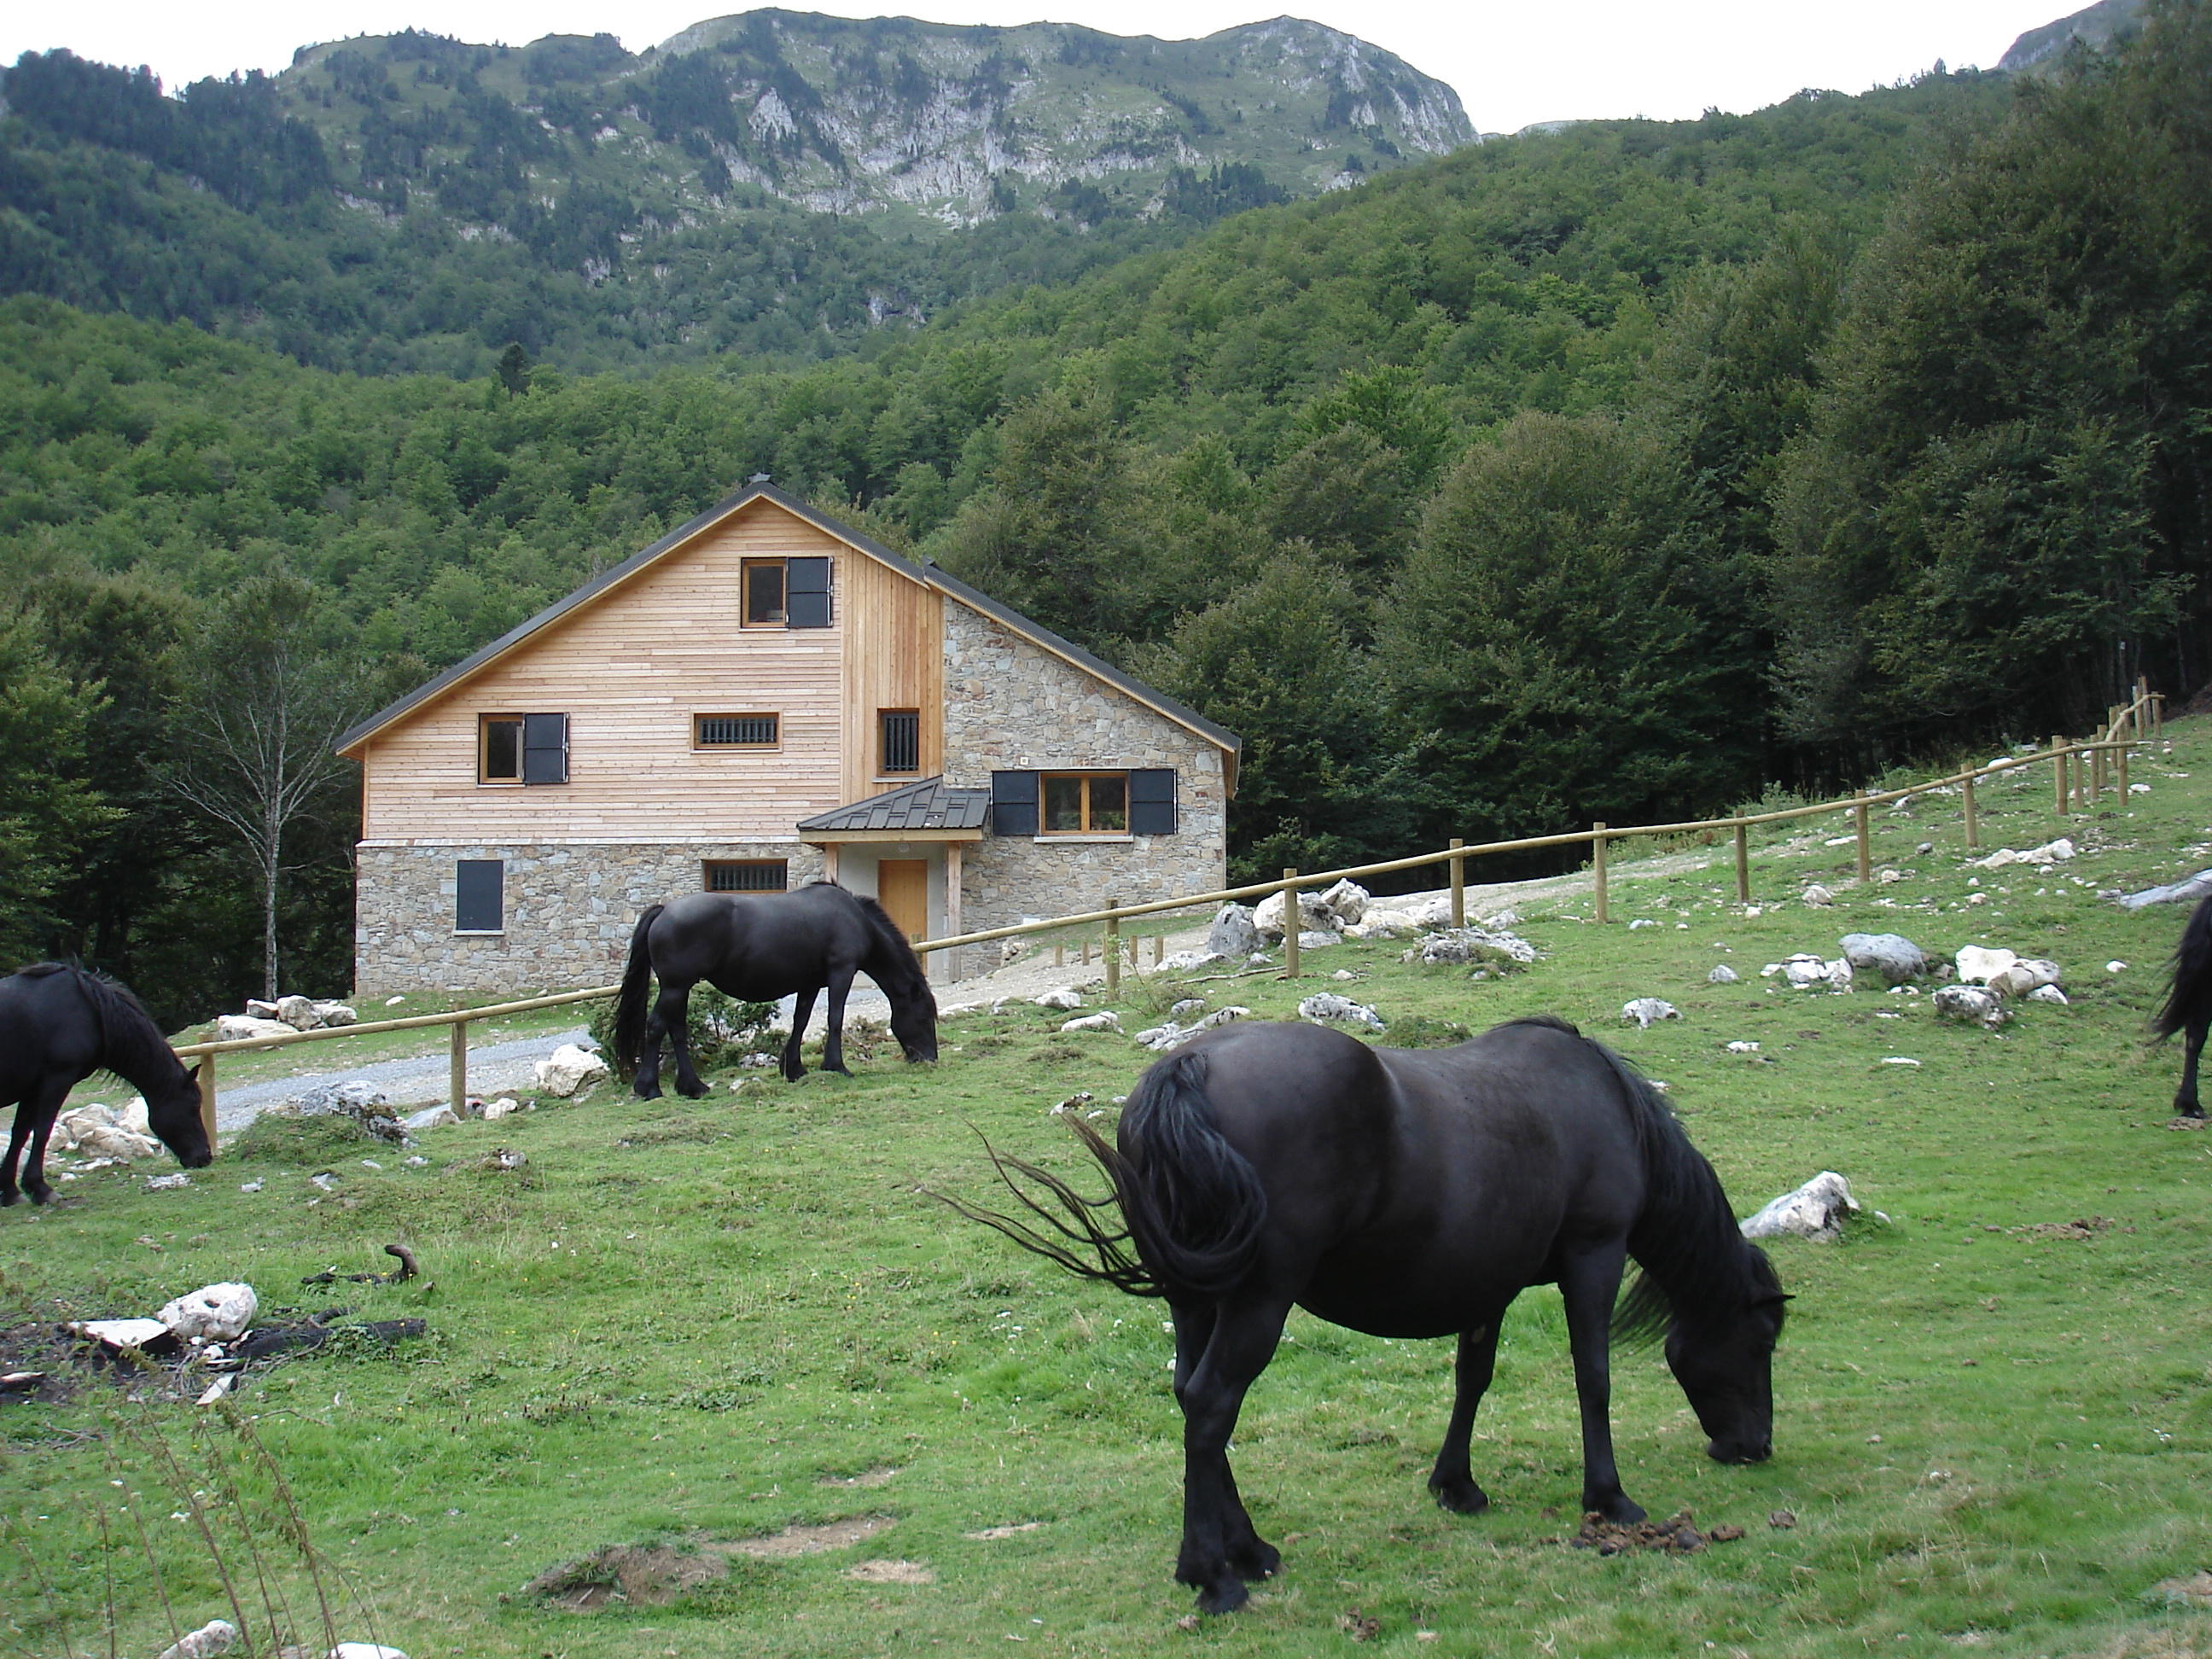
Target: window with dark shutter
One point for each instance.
(499, 748)
(545, 748)
(747, 875)
(806, 592)
(901, 739)
(479, 896)
(1013, 803)
(1153, 802)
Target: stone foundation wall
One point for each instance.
(570, 909)
(1009, 705)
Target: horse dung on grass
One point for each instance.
(59, 1024)
(1410, 1193)
(759, 947)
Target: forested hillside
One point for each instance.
(1618, 473)
(777, 185)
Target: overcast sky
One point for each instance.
(1510, 64)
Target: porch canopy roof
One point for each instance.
(927, 810)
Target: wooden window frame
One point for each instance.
(782, 620)
(484, 724)
(708, 867)
(1045, 780)
(700, 744)
(884, 767)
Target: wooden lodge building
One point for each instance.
(762, 698)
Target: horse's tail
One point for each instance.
(1689, 1253)
(629, 1005)
(1192, 1204)
(2189, 1001)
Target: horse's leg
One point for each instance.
(1589, 1283)
(35, 1160)
(1252, 1556)
(2184, 1097)
(1453, 1477)
(647, 1084)
(673, 1013)
(16, 1139)
(802, 1010)
(1220, 1548)
(833, 1041)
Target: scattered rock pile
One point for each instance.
(281, 1017)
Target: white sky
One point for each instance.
(1510, 64)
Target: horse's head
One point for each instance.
(914, 1023)
(1726, 1367)
(173, 1112)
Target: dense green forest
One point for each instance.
(1617, 472)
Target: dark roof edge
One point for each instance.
(614, 575)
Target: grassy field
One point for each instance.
(684, 1326)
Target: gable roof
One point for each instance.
(924, 806)
(928, 575)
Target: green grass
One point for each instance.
(694, 1322)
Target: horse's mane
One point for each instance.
(130, 1040)
(890, 944)
(1696, 1265)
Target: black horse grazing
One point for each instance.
(1412, 1193)
(758, 947)
(2189, 1004)
(59, 1025)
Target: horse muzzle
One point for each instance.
(1740, 1451)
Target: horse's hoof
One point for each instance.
(1224, 1595)
(2187, 1109)
(11, 1196)
(691, 1091)
(1460, 1497)
(1620, 1511)
(1261, 1560)
(648, 1092)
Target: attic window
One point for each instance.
(522, 748)
(785, 593)
(735, 730)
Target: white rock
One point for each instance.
(133, 1117)
(1383, 924)
(1182, 961)
(1347, 902)
(568, 1069)
(1232, 933)
(335, 1013)
(430, 1117)
(1809, 972)
(2138, 789)
(235, 1028)
(364, 1650)
(168, 1184)
(1188, 1008)
(1106, 1020)
(1817, 896)
(2048, 993)
(1324, 1007)
(1314, 917)
(1971, 1002)
(1979, 964)
(2116, 967)
(1641, 922)
(393, 1002)
(1816, 1210)
(1645, 1010)
(1222, 1017)
(217, 1635)
(2194, 888)
(214, 1313)
(1160, 1037)
(257, 1009)
(103, 1140)
(253, 1185)
(2050, 853)
(1899, 1060)
(1474, 945)
(71, 1126)
(1319, 939)
(492, 1110)
(1723, 975)
(1743, 1048)
(298, 1012)
(1063, 996)
(1893, 956)
(2028, 973)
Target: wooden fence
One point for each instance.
(2082, 771)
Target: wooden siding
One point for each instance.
(630, 670)
(894, 659)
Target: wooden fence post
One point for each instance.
(1290, 921)
(1458, 885)
(1113, 950)
(2158, 716)
(2058, 770)
(207, 1098)
(1866, 849)
(1597, 868)
(1059, 953)
(459, 1068)
(1973, 818)
(2120, 759)
(1742, 864)
(1159, 948)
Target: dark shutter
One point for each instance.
(479, 896)
(806, 592)
(1153, 802)
(545, 748)
(1013, 803)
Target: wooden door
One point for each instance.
(903, 888)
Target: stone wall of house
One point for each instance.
(570, 907)
(1010, 706)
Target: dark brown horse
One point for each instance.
(59, 1024)
(2189, 1004)
(1411, 1193)
(758, 947)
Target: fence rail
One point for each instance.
(2082, 770)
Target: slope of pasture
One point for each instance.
(681, 1324)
